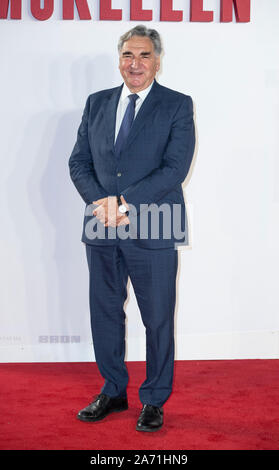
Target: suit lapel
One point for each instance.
(110, 114)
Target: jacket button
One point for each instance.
(119, 174)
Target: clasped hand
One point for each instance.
(107, 211)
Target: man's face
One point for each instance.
(138, 63)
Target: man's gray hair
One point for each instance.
(142, 30)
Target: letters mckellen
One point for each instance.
(241, 9)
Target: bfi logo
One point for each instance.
(59, 339)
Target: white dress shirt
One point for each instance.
(124, 101)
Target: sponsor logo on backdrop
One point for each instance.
(59, 339)
(43, 10)
(10, 339)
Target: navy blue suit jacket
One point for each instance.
(150, 170)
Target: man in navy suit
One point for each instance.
(134, 148)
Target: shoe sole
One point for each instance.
(148, 429)
(93, 420)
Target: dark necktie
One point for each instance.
(126, 124)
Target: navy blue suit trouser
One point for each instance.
(153, 276)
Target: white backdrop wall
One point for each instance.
(227, 299)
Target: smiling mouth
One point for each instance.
(135, 73)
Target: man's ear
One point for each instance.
(158, 64)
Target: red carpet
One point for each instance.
(215, 405)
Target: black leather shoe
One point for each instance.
(150, 419)
(101, 407)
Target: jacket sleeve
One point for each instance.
(81, 164)
(177, 160)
